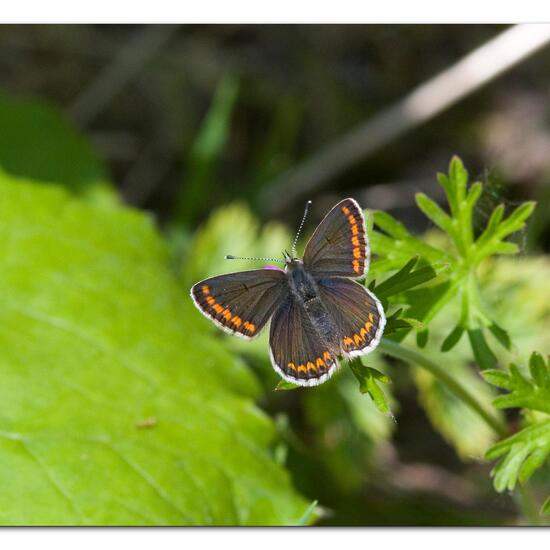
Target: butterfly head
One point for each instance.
(291, 261)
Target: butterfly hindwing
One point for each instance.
(297, 351)
(357, 313)
(339, 245)
(241, 303)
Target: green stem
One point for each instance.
(523, 496)
(411, 356)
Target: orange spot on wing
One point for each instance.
(217, 308)
(292, 366)
(351, 220)
(354, 230)
(345, 210)
(348, 341)
(355, 241)
(326, 356)
(357, 252)
(210, 301)
(236, 321)
(320, 363)
(358, 339)
(356, 266)
(371, 317)
(311, 366)
(301, 368)
(363, 333)
(205, 289)
(227, 314)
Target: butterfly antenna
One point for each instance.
(294, 253)
(231, 257)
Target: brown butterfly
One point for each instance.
(317, 311)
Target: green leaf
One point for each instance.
(533, 394)
(422, 338)
(37, 142)
(473, 194)
(540, 371)
(515, 221)
(390, 225)
(520, 455)
(455, 184)
(395, 324)
(116, 406)
(452, 339)
(368, 383)
(405, 279)
(434, 212)
(501, 335)
(394, 245)
(494, 221)
(284, 385)
(498, 378)
(485, 358)
(527, 450)
(546, 507)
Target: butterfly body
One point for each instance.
(306, 294)
(318, 313)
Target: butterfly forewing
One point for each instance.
(241, 303)
(297, 351)
(339, 245)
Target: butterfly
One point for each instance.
(317, 309)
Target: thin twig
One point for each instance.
(423, 103)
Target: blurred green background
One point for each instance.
(196, 128)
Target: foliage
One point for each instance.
(78, 330)
(526, 451)
(38, 143)
(116, 407)
(463, 254)
(369, 382)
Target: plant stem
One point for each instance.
(411, 356)
(523, 496)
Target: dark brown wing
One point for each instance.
(357, 313)
(339, 246)
(241, 303)
(297, 351)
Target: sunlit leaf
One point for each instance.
(116, 405)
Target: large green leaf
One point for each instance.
(114, 407)
(37, 142)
